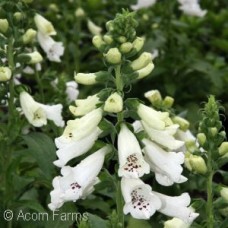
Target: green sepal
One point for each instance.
(103, 76)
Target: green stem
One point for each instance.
(119, 82)
(119, 204)
(210, 216)
(41, 91)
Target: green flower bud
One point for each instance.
(183, 123)
(35, 57)
(145, 17)
(201, 138)
(143, 60)
(168, 102)
(138, 43)
(85, 78)
(109, 26)
(29, 36)
(198, 164)
(4, 25)
(191, 146)
(126, 47)
(122, 39)
(114, 103)
(108, 39)
(154, 97)
(98, 42)
(224, 211)
(224, 193)
(5, 74)
(113, 56)
(223, 149)
(18, 16)
(53, 7)
(213, 131)
(93, 28)
(145, 71)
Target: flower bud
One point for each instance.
(224, 211)
(145, 71)
(35, 57)
(223, 149)
(224, 193)
(145, 17)
(213, 131)
(18, 16)
(4, 25)
(153, 96)
(126, 47)
(98, 42)
(29, 36)
(108, 39)
(143, 60)
(122, 39)
(168, 102)
(5, 74)
(176, 223)
(85, 79)
(201, 138)
(53, 7)
(113, 56)
(191, 146)
(198, 164)
(94, 29)
(183, 123)
(79, 12)
(114, 103)
(44, 25)
(138, 43)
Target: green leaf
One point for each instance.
(135, 223)
(97, 222)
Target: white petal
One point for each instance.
(176, 223)
(72, 91)
(143, 4)
(137, 126)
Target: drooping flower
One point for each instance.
(52, 48)
(77, 182)
(143, 4)
(177, 206)
(139, 199)
(131, 161)
(78, 137)
(93, 28)
(166, 165)
(37, 113)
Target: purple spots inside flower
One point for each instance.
(132, 163)
(75, 186)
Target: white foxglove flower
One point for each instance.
(44, 25)
(80, 127)
(72, 91)
(37, 113)
(152, 118)
(77, 182)
(164, 137)
(140, 202)
(166, 165)
(143, 4)
(94, 29)
(52, 48)
(177, 207)
(176, 223)
(71, 150)
(131, 161)
(192, 8)
(114, 103)
(84, 106)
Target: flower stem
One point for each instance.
(210, 216)
(41, 91)
(119, 82)
(119, 203)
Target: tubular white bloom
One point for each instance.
(145, 71)
(85, 78)
(177, 207)
(71, 91)
(192, 8)
(143, 4)
(114, 103)
(176, 223)
(131, 161)
(52, 48)
(140, 202)
(143, 60)
(94, 29)
(166, 165)
(151, 117)
(84, 106)
(164, 137)
(71, 150)
(44, 25)
(80, 127)
(77, 182)
(37, 113)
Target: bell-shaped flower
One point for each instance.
(143, 4)
(140, 202)
(131, 161)
(176, 223)
(52, 48)
(177, 206)
(44, 25)
(77, 182)
(84, 106)
(166, 165)
(151, 117)
(37, 113)
(164, 137)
